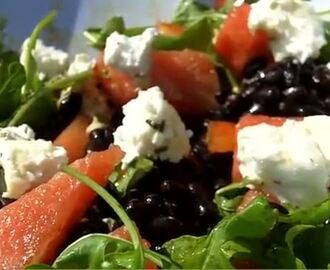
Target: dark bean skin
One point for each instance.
(257, 108)
(267, 94)
(296, 93)
(254, 66)
(100, 139)
(164, 227)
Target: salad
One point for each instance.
(200, 143)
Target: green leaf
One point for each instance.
(314, 215)
(12, 78)
(97, 36)
(255, 221)
(124, 179)
(36, 112)
(118, 209)
(325, 51)
(311, 244)
(32, 81)
(90, 252)
(198, 36)
(229, 197)
(190, 11)
(235, 234)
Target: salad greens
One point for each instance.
(124, 179)
(22, 94)
(257, 236)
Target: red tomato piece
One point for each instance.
(34, 228)
(187, 78)
(74, 137)
(119, 87)
(221, 136)
(236, 45)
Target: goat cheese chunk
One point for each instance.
(82, 62)
(26, 162)
(50, 61)
(294, 28)
(152, 128)
(130, 54)
(291, 161)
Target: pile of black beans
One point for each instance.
(287, 88)
(172, 200)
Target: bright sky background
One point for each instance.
(76, 15)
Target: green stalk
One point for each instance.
(233, 82)
(29, 64)
(131, 228)
(66, 81)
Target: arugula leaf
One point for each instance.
(33, 83)
(97, 36)
(236, 234)
(229, 197)
(198, 36)
(325, 51)
(126, 178)
(12, 78)
(38, 266)
(190, 11)
(138, 257)
(311, 244)
(314, 215)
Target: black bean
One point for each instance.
(134, 209)
(198, 189)
(254, 66)
(296, 93)
(249, 92)
(99, 139)
(170, 208)
(163, 228)
(70, 105)
(134, 193)
(153, 204)
(273, 75)
(267, 94)
(220, 183)
(257, 108)
(285, 108)
(321, 77)
(291, 72)
(307, 110)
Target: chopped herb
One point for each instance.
(3, 186)
(157, 126)
(161, 149)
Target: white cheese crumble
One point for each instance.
(50, 61)
(152, 128)
(293, 26)
(130, 54)
(292, 161)
(27, 162)
(82, 62)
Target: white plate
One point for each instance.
(76, 15)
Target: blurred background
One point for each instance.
(76, 15)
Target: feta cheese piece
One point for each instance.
(22, 132)
(152, 128)
(293, 26)
(130, 54)
(82, 62)
(50, 61)
(27, 162)
(292, 161)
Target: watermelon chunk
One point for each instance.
(34, 228)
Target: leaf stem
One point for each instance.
(66, 81)
(29, 61)
(114, 204)
(232, 80)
